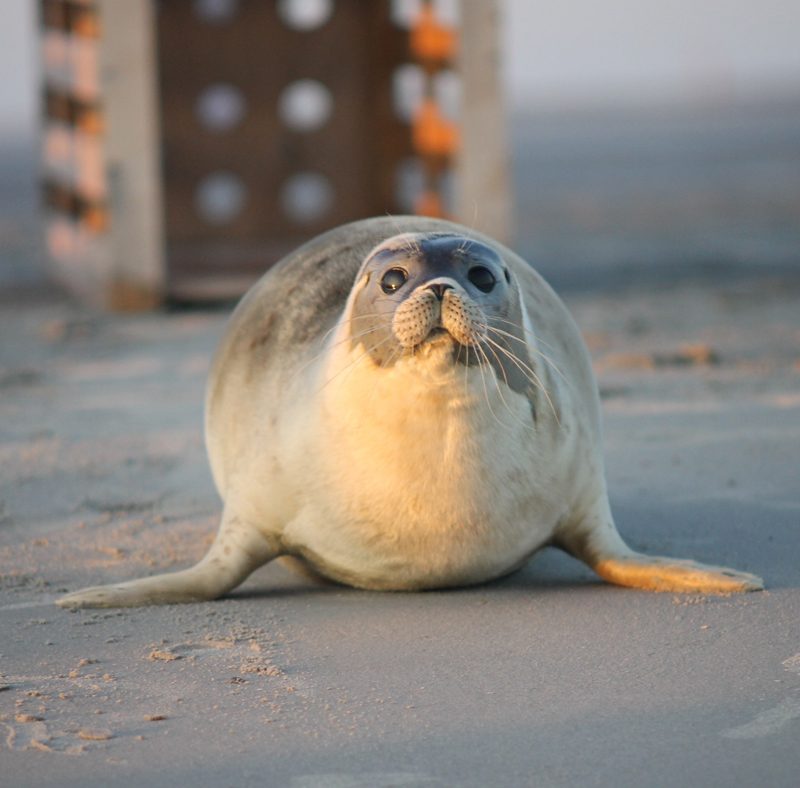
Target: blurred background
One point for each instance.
(648, 141)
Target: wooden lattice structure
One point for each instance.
(189, 144)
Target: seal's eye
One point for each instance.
(393, 280)
(482, 278)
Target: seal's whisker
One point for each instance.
(466, 376)
(350, 321)
(354, 364)
(458, 361)
(367, 316)
(526, 370)
(372, 328)
(489, 367)
(535, 337)
(350, 364)
(482, 368)
(367, 351)
(471, 228)
(394, 222)
(354, 337)
(389, 360)
(500, 391)
(485, 391)
(330, 348)
(409, 244)
(528, 345)
(502, 368)
(521, 365)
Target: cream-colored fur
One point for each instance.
(427, 474)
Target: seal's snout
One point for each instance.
(463, 318)
(438, 305)
(439, 289)
(416, 317)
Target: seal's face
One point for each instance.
(417, 292)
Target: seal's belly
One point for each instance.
(466, 521)
(449, 560)
(414, 480)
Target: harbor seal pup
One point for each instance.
(401, 404)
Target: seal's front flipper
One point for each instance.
(596, 541)
(238, 550)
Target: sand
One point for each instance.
(548, 678)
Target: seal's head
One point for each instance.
(418, 292)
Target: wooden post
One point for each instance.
(132, 149)
(101, 151)
(483, 199)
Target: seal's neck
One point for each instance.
(423, 444)
(427, 393)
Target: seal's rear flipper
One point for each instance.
(238, 550)
(596, 541)
(675, 574)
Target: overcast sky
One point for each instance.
(563, 52)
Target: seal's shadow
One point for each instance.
(549, 568)
(750, 536)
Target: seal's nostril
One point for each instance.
(439, 289)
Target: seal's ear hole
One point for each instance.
(507, 275)
(482, 278)
(393, 280)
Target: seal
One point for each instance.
(402, 404)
